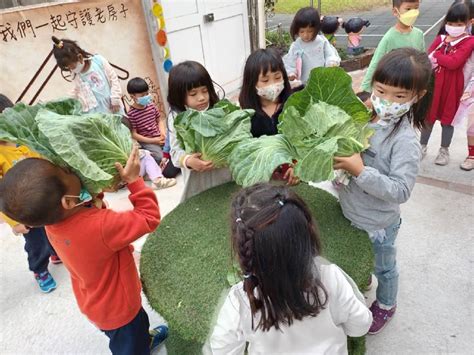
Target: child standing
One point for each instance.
(309, 49)
(265, 89)
(37, 246)
(403, 34)
(93, 243)
(291, 301)
(147, 127)
(384, 175)
(191, 86)
(448, 53)
(96, 84)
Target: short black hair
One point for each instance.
(31, 193)
(184, 77)
(261, 61)
(457, 12)
(5, 102)
(305, 17)
(137, 86)
(398, 3)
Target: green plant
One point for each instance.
(324, 120)
(213, 132)
(184, 266)
(279, 39)
(88, 144)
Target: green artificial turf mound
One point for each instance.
(185, 262)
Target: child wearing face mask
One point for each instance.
(96, 84)
(403, 34)
(265, 89)
(384, 175)
(448, 53)
(94, 244)
(309, 49)
(190, 87)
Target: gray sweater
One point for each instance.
(372, 200)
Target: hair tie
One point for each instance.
(237, 220)
(59, 45)
(281, 203)
(247, 276)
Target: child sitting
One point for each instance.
(145, 119)
(37, 246)
(309, 49)
(291, 301)
(149, 167)
(93, 243)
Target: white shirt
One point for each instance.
(345, 314)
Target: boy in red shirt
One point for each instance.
(93, 243)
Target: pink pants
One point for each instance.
(149, 166)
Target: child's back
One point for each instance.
(344, 315)
(402, 34)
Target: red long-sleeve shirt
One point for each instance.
(94, 245)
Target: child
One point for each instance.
(448, 53)
(93, 243)
(291, 301)
(265, 89)
(147, 128)
(150, 168)
(96, 84)
(190, 86)
(37, 246)
(309, 49)
(384, 176)
(403, 34)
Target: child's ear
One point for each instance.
(395, 12)
(68, 203)
(420, 95)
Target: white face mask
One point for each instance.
(271, 92)
(390, 112)
(455, 31)
(80, 66)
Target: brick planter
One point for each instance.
(358, 62)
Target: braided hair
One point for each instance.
(67, 52)
(275, 239)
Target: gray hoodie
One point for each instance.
(372, 200)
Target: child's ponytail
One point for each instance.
(66, 52)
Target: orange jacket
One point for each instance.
(94, 245)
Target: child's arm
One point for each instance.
(347, 309)
(227, 337)
(457, 59)
(435, 44)
(115, 89)
(289, 60)
(379, 53)
(119, 229)
(138, 137)
(331, 57)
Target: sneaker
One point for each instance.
(381, 317)
(443, 156)
(163, 183)
(45, 281)
(424, 151)
(158, 336)
(468, 164)
(54, 259)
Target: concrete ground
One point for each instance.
(381, 19)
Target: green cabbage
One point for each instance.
(88, 144)
(213, 133)
(324, 120)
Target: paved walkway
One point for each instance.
(381, 20)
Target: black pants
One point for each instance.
(131, 339)
(38, 249)
(170, 171)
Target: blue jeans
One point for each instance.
(386, 269)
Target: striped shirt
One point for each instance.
(145, 121)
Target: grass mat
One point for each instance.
(184, 263)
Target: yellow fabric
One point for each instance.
(9, 156)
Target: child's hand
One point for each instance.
(131, 172)
(292, 180)
(115, 108)
(354, 164)
(196, 163)
(465, 96)
(291, 77)
(20, 229)
(163, 163)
